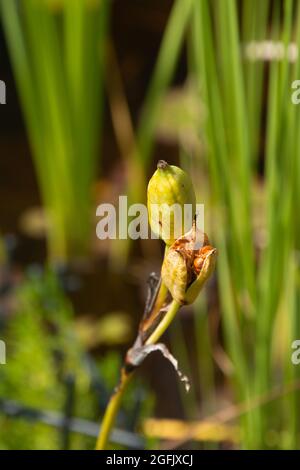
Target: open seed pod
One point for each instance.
(188, 264)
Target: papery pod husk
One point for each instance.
(169, 186)
(175, 274)
(187, 266)
(207, 269)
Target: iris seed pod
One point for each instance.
(170, 194)
(187, 266)
(208, 256)
(175, 274)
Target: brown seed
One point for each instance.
(200, 257)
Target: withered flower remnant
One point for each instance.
(187, 265)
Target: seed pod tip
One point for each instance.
(162, 165)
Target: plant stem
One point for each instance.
(111, 412)
(115, 401)
(163, 325)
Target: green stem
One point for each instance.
(115, 401)
(111, 413)
(163, 325)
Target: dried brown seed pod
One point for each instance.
(175, 273)
(187, 265)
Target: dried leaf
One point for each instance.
(155, 308)
(135, 356)
(153, 283)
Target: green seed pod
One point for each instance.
(171, 202)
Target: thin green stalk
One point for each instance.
(233, 102)
(170, 49)
(164, 70)
(250, 286)
(274, 261)
(207, 73)
(55, 56)
(115, 401)
(294, 423)
(163, 325)
(139, 158)
(219, 71)
(111, 413)
(254, 29)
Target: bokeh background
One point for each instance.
(97, 92)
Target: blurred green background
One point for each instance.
(97, 92)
